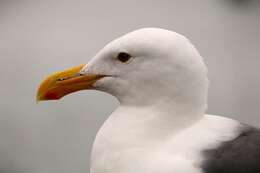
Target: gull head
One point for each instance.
(143, 67)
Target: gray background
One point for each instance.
(40, 37)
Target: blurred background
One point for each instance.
(38, 37)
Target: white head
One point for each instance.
(148, 66)
(162, 66)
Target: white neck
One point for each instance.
(152, 122)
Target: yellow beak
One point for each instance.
(63, 83)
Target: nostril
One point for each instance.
(60, 79)
(65, 78)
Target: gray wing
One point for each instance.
(241, 155)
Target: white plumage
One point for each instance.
(161, 82)
(160, 126)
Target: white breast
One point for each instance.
(124, 145)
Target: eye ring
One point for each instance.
(123, 57)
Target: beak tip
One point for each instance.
(52, 88)
(38, 98)
(51, 96)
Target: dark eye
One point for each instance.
(123, 57)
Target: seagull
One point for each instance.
(160, 126)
